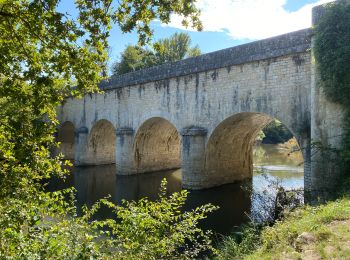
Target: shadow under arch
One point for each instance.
(65, 135)
(229, 150)
(157, 146)
(102, 143)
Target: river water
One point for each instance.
(271, 162)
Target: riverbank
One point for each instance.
(321, 232)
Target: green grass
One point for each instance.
(328, 224)
(281, 240)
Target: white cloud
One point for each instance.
(251, 19)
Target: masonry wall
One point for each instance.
(277, 87)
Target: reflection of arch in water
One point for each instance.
(234, 205)
(157, 146)
(65, 136)
(94, 183)
(229, 151)
(101, 144)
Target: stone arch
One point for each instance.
(102, 143)
(157, 146)
(65, 136)
(229, 150)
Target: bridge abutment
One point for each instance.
(327, 122)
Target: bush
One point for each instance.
(141, 230)
(240, 243)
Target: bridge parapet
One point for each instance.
(282, 45)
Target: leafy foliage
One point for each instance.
(241, 243)
(46, 56)
(159, 229)
(174, 48)
(134, 58)
(142, 230)
(138, 14)
(332, 53)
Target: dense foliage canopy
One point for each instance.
(332, 53)
(174, 48)
(46, 56)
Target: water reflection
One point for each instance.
(277, 163)
(93, 183)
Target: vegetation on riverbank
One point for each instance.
(35, 224)
(47, 56)
(322, 232)
(50, 229)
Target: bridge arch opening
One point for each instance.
(229, 151)
(65, 136)
(157, 146)
(102, 143)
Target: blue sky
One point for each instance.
(226, 23)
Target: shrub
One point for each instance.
(141, 230)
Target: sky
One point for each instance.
(227, 23)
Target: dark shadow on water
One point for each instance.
(95, 182)
(234, 206)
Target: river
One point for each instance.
(271, 162)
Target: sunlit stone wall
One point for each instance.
(156, 146)
(195, 102)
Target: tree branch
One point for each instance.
(5, 14)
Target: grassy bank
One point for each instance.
(321, 232)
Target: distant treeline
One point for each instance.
(275, 133)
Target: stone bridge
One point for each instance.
(203, 114)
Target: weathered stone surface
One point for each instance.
(218, 102)
(195, 105)
(156, 146)
(65, 135)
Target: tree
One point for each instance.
(275, 133)
(46, 56)
(134, 58)
(174, 48)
